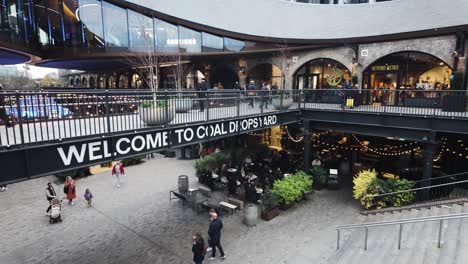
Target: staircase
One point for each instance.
(419, 241)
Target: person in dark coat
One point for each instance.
(50, 194)
(198, 248)
(201, 89)
(214, 232)
(251, 93)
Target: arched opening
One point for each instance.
(193, 77)
(92, 82)
(111, 82)
(71, 82)
(265, 72)
(321, 74)
(225, 75)
(101, 82)
(137, 82)
(123, 81)
(398, 76)
(78, 82)
(84, 82)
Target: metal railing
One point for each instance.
(29, 117)
(429, 103)
(401, 222)
(455, 187)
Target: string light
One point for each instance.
(293, 139)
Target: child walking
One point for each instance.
(88, 196)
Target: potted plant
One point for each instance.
(269, 205)
(282, 100)
(156, 112)
(319, 175)
(292, 189)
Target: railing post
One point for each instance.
(440, 233)
(262, 100)
(166, 106)
(207, 105)
(338, 240)
(238, 103)
(107, 111)
(20, 117)
(365, 238)
(281, 99)
(399, 236)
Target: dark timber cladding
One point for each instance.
(23, 164)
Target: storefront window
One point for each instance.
(321, 74)
(90, 14)
(410, 71)
(141, 32)
(233, 44)
(42, 23)
(167, 36)
(211, 43)
(116, 32)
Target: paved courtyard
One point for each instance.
(137, 224)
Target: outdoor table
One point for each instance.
(196, 198)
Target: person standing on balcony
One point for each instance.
(201, 89)
(251, 93)
(264, 93)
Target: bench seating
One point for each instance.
(208, 206)
(205, 190)
(228, 207)
(237, 202)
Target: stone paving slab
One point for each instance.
(137, 224)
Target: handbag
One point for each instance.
(65, 189)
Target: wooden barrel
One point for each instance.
(251, 215)
(183, 183)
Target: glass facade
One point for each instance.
(321, 74)
(189, 40)
(167, 36)
(100, 25)
(116, 33)
(212, 43)
(141, 32)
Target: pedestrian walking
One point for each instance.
(265, 94)
(70, 189)
(117, 170)
(88, 196)
(214, 232)
(50, 194)
(199, 248)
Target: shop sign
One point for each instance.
(191, 41)
(129, 145)
(395, 67)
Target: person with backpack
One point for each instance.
(199, 248)
(50, 194)
(117, 170)
(214, 232)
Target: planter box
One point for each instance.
(183, 105)
(285, 104)
(285, 207)
(267, 216)
(155, 115)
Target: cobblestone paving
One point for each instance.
(137, 224)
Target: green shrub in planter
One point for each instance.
(209, 163)
(269, 201)
(398, 185)
(292, 189)
(319, 175)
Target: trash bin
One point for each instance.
(251, 215)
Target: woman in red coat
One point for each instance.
(70, 189)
